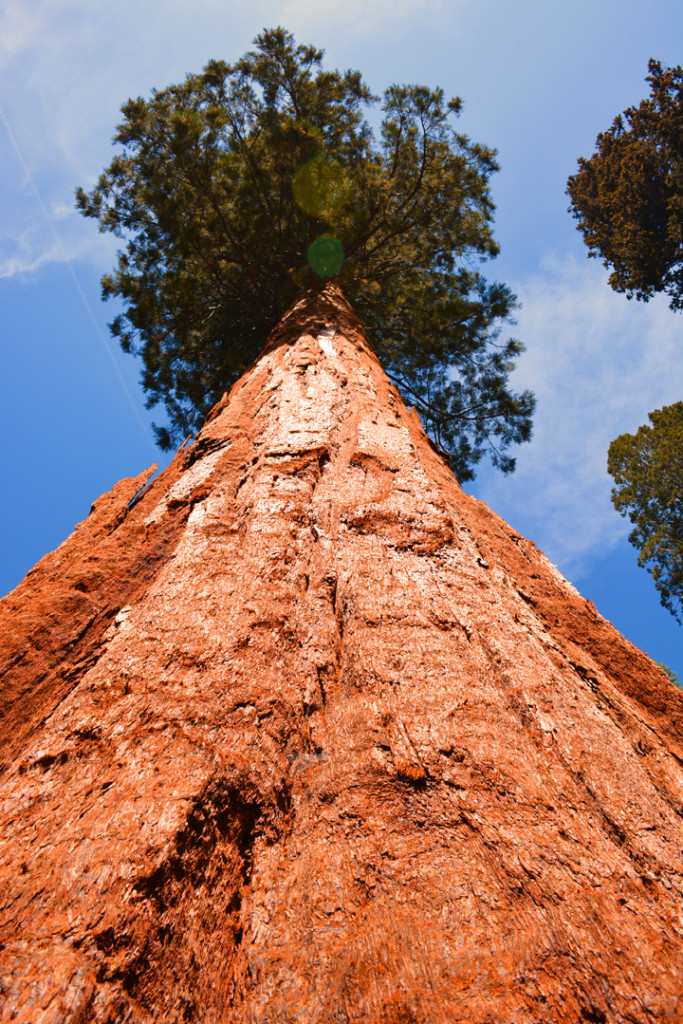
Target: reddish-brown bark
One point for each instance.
(306, 734)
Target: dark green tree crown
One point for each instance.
(250, 182)
(647, 468)
(628, 197)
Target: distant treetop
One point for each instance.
(647, 468)
(628, 197)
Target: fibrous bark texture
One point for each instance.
(303, 734)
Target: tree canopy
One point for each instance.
(628, 197)
(252, 181)
(647, 468)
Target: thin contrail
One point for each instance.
(98, 330)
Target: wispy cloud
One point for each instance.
(39, 228)
(25, 261)
(26, 257)
(598, 365)
(37, 243)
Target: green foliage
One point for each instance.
(673, 676)
(628, 197)
(647, 468)
(250, 182)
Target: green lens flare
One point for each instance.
(320, 187)
(325, 256)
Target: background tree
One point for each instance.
(647, 468)
(249, 182)
(673, 676)
(628, 197)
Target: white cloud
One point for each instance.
(598, 364)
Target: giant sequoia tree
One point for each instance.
(250, 182)
(628, 197)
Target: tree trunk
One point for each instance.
(303, 733)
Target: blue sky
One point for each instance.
(538, 81)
